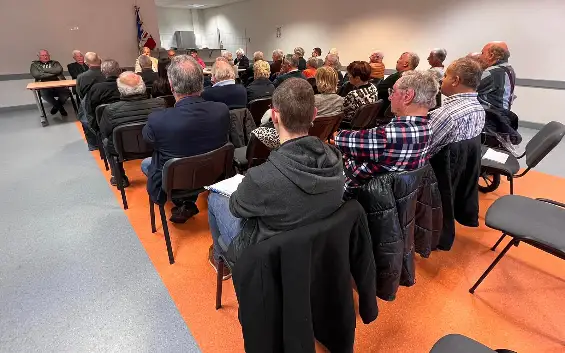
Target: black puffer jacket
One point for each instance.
(241, 125)
(399, 207)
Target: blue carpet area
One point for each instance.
(73, 274)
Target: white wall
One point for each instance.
(107, 27)
(172, 20)
(356, 27)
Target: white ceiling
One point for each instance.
(193, 4)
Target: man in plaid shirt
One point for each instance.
(402, 144)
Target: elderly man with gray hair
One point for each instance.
(241, 60)
(147, 74)
(192, 127)
(87, 79)
(289, 69)
(132, 107)
(408, 61)
(401, 145)
(224, 88)
(435, 59)
(105, 92)
(277, 63)
(332, 60)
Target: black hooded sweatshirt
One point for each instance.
(301, 182)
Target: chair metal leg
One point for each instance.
(75, 108)
(498, 258)
(219, 282)
(167, 236)
(498, 242)
(511, 180)
(119, 181)
(102, 151)
(152, 215)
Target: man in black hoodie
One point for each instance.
(300, 183)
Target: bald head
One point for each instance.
(130, 84)
(92, 59)
(494, 52)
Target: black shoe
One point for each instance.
(54, 110)
(183, 213)
(125, 181)
(63, 111)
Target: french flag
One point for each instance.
(144, 39)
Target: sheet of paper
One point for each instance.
(495, 156)
(226, 187)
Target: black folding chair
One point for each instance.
(258, 107)
(323, 126)
(252, 155)
(538, 222)
(186, 177)
(129, 145)
(539, 146)
(98, 112)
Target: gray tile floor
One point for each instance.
(73, 274)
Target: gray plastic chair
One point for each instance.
(456, 343)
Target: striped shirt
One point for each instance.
(460, 118)
(401, 145)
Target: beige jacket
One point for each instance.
(154, 65)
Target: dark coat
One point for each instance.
(242, 63)
(128, 110)
(383, 87)
(301, 64)
(457, 168)
(100, 93)
(391, 203)
(295, 74)
(276, 67)
(296, 287)
(87, 79)
(241, 125)
(76, 69)
(192, 127)
(234, 96)
(49, 71)
(149, 76)
(503, 123)
(260, 88)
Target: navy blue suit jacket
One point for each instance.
(234, 96)
(192, 127)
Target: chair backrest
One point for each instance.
(366, 114)
(193, 173)
(98, 112)
(258, 107)
(323, 126)
(129, 142)
(169, 101)
(543, 142)
(256, 153)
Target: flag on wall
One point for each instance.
(144, 39)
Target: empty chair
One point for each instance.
(538, 222)
(99, 110)
(184, 177)
(258, 107)
(539, 146)
(251, 155)
(324, 126)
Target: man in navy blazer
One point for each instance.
(224, 89)
(192, 127)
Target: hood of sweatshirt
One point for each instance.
(312, 165)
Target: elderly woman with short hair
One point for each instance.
(377, 66)
(299, 51)
(328, 102)
(363, 92)
(311, 67)
(278, 56)
(401, 145)
(261, 86)
(241, 61)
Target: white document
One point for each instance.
(495, 156)
(226, 187)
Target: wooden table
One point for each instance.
(35, 87)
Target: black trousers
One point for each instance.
(55, 96)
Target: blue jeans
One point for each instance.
(145, 165)
(223, 225)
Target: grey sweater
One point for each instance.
(301, 182)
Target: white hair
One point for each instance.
(423, 83)
(378, 53)
(258, 55)
(239, 52)
(440, 53)
(278, 53)
(222, 71)
(229, 56)
(125, 89)
(75, 52)
(334, 51)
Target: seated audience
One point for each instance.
(328, 103)
(436, 59)
(268, 136)
(194, 54)
(248, 75)
(224, 89)
(171, 53)
(102, 92)
(44, 70)
(403, 144)
(147, 73)
(261, 86)
(364, 92)
(311, 67)
(278, 56)
(289, 69)
(132, 107)
(334, 51)
(161, 87)
(299, 184)
(164, 63)
(407, 62)
(332, 60)
(377, 66)
(86, 80)
(257, 56)
(241, 60)
(154, 61)
(194, 126)
(496, 90)
(317, 53)
(78, 67)
(301, 61)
